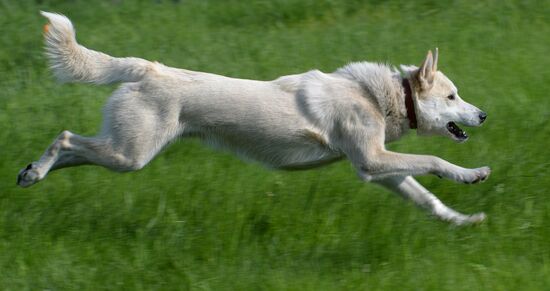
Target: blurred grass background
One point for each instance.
(199, 219)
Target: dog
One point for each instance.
(297, 121)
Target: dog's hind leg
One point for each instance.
(36, 171)
(123, 149)
(69, 150)
(409, 188)
(135, 128)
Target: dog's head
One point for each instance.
(438, 106)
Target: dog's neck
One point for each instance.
(409, 103)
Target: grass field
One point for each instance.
(199, 219)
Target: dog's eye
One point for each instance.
(451, 97)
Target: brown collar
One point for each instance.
(409, 104)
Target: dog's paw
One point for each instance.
(472, 176)
(464, 220)
(476, 218)
(28, 176)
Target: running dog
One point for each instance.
(294, 122)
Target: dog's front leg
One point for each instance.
(362, 141)
(409, 188)
(381, 164)
(364, 146)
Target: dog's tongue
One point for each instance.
(456, 131)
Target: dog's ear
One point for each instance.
(436, 56)
(426, 73)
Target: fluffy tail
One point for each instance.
(72, 62)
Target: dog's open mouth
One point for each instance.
(456, 132)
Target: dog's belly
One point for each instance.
(289, 152)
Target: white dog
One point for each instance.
(294, 122)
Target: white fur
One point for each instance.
(72, 62)
(293, 122)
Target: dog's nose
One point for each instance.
(482, 116)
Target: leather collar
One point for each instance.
(409, 103)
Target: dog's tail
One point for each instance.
(72, 62)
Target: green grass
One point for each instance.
(199, 219)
